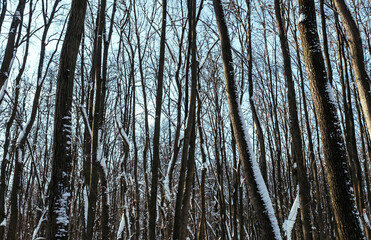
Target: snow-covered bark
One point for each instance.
(257, 189)
(289, 223)
(11, 47)
(341, 191)
(60, 184)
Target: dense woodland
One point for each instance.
(155, 119)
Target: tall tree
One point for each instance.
(152, 206)
(60, 183)
(23, 135)
(295, 131)
(11, 48)
(268, 226)
(188, 152)
(356, 51)
(342, 197)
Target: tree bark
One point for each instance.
(342, 199)
(295, 131)
(152, 206)
(60, 184)
(268, 226)
(358, 64)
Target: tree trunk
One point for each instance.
(332, 141)
(60, 187)
(295, 131)
(152, 206)
(268, 226)
(358, 64)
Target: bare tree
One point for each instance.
(11, 48)
(258, 191)
(358, 63)
(60, 183)
(152, 205)
(341, 193)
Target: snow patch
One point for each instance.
(86, 206)
(17, 15)
(121, 227)
(3, 89)
(365, 217)
(121, 130)
(262, 188)
(288, 224)
(302, 17)
(330, 92)
(62, 213)
(36, 231)
(85, 116)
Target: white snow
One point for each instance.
(17, 15)
(85, 116)
(121, 227)
(166, 186)
(204, 166)
(106, 37)
(3, 89)
(228, 231)
(39, 81)
(330, 92)
(19, 159)
(302, 17)
(23, 132)
(262, 188)
(86, 205)
(62, 214)
(36, 231)
(3, 223)
(100, 156)
(365, 217)
(12, 61)
(121, 130)
(288, 224)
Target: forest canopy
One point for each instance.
(197, 119)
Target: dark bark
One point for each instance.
(3, 11)
(358, 64)
(11, 47)
(331, 135)
(152, 206)
(295, 131)
(60, 187)
(188, 153)
(268, 227)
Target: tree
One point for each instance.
(259, 195)
(358, 63)
(60, 184)
(156, 136)
(341, 193)
(11, 48)
(295, 131)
